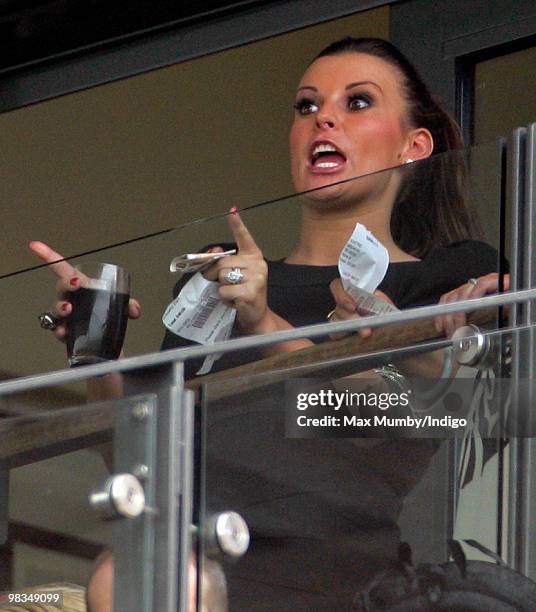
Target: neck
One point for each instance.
(324, 232)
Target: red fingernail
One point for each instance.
(65, 307)
(74, 281)
(234, 210)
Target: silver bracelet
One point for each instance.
(394, 378)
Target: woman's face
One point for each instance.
(349, 121)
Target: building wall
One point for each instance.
(149, 152)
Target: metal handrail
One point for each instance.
(59, 377)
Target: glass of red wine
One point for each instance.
(97, 324)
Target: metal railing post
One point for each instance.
(174, 483)
(522, 453)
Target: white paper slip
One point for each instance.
(195, 262)
(209, 360)
(368, 303)
(198, 314)
(363, 261)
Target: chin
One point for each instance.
(334, 196)
(324, 186)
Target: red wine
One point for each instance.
(96, 327)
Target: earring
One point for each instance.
(409, 161)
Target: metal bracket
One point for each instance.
(227, 534)
(471, 347)
(121, 495)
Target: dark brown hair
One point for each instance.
(430, 209)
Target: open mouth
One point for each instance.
(325, 156)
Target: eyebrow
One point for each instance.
(349, 86)
(357, 83)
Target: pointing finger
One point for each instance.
(244, 240)
(63, 269)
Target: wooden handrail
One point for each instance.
(281, 366)
(26, 442)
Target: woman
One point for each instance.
(360, 108)
(386, 118)
(324, 512)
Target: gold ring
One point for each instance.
(331, 314)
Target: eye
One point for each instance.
(305, 106)
(359, 102)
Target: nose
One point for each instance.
(325, 120)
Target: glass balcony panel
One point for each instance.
(246, 441)
(53, 457)
(275, 226)
(370, 522)
(77, 492)
(329, 504)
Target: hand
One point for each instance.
(69, 280)
(346, 309)
(249, 296)
(484, 285)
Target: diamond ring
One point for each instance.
(234, 276)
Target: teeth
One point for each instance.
(326, 165)
(323, 148)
